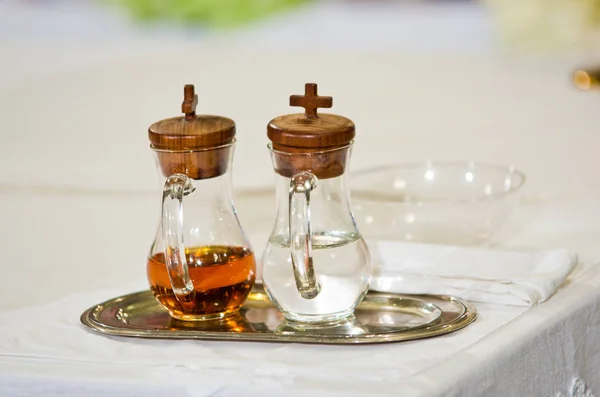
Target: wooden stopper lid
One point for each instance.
(192, 131)
(310, 141)
(195, 145)
(310, 131)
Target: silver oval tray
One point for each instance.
(381, 317)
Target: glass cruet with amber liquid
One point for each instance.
(200, 265)
(316, 266)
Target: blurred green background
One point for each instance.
(213, 13)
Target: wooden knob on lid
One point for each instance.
(313, 136)
(192, 144)
(191, 131)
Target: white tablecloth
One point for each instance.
(80, 205)
(503, 353)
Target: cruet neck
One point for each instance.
(196, 164)
(324, 164)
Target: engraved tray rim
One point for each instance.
(91, 320)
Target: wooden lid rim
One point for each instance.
(328, 150)
(199, 149)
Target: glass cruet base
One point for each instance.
(342, 267)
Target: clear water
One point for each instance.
(343, 269)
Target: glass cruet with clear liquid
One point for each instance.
(316, 266)
(200, 266)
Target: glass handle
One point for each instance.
(300, 234)
(176, 187)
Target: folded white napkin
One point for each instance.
(480, 275)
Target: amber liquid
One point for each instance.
(222, 276)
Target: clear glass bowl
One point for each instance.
(461, 203)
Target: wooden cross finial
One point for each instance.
(310, 101)
(190, 101)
